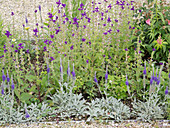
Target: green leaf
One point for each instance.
(25, 97)
(162, 17)
(30, 78)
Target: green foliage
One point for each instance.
(157, 30)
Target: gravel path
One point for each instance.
(125, 124)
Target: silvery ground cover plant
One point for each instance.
(106, 60)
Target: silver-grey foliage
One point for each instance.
(109, 108)
(149, 110)
(69, 104)
(8, 114)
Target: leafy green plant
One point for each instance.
(153, 22)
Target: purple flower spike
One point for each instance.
(106, 75)
(40, 8)
(127, 83)
(48, 69)
(71, 48)
(12, 85)
(8, 79)
(169, 75)
(26, 20)
(151, 81)
(144, 71)
(95, 79)
(68, 69)
(3, 76)
(27, 115)
(61, 68)
(35, 11)
(73, 73)
(153, 49)
(87, 61)
(166, 91)
(158, 81)
(2, 91)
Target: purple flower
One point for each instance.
(158, 81)
(48, 69)
(73, 72)
(116, 20)
(16, 50)
(95, 79)
(105, 33)
(58, 3)
(71, 48)
(27, 115)
(51, 58)
(151, 81)
(161, 63)
(35, 11)
(40, 8)
(8, 34)
(26, 20)
(64, 5)
(27, 51)
(132, 8)
(127, 83)
(90, 42)
(68, 69)
(139, 10)
(169, 75)
(130, 27)
(35, 30)
(5, 51)
(126, 49)
(36, 24)
(12, 13)
(20, 44)
(109, 20)
(110, 6)
(118, 30)
(133, 28)
(106, 75)
(8, 79)
(109, 30)
(153, 49)
(12, 45)
(166, 91)
(2, 91)
(81, 5)
(83, 39)
(65, 42)
(87, 61)
(139, 41)
(12, 85)
(3, 76)
(52, 36)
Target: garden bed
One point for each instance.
(86, 62)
